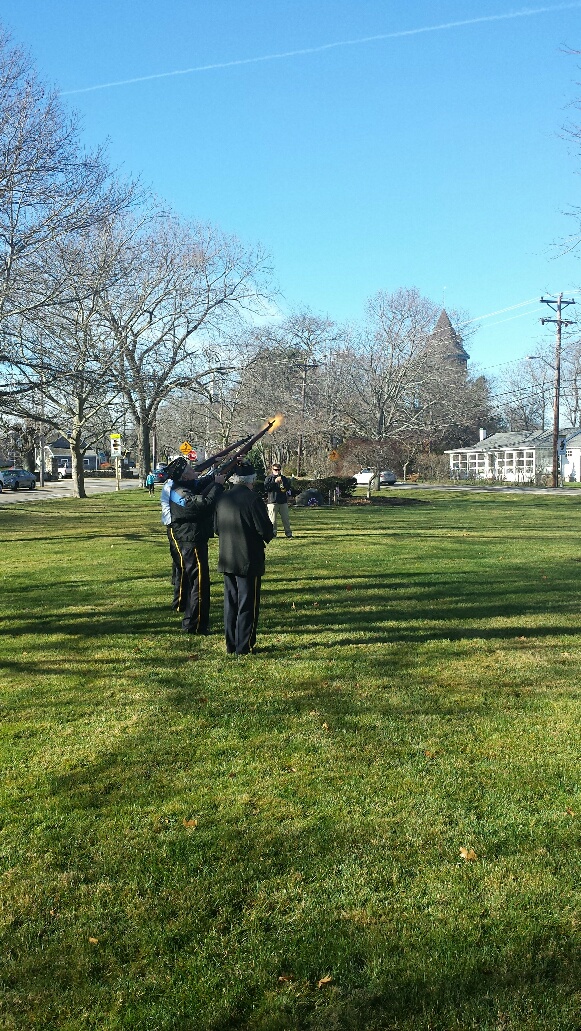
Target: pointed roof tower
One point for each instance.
(445, 343)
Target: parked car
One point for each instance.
(64, 472)
(387, 477)
(159, 473)
(16, 478)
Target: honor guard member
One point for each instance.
(243, 529)
(187, 512)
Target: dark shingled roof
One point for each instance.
(445, 341)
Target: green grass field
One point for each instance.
(373, 823)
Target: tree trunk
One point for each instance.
(78, 469)
(143, 448)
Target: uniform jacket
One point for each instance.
(243, 526)
(277, 493)
(189, 508)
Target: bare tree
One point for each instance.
(50, 190)
(523, 395)
(285, 369)
(403, 394)
(180, 284)
(571, 384)
(66, 359)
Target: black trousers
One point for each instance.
(191, 582)
(241, 608)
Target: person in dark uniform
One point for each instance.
(187, 512)
(243, 529)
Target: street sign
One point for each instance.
(115, 439)
(333, 456)
(185, 448)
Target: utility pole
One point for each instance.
(557, 306)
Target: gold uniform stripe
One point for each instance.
(181, 565)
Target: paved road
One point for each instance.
(64, 489)
(487, 489)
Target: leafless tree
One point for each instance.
(180, 284)
(65, 359)
(49, 186)
(523, 395)
(401, 394)
(284, 367)
(571, 383)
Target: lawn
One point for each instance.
(371, 824)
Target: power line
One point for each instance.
(501, 311)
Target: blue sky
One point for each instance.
(431, 157)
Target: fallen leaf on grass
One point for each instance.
(570, 811)
(193, 656)
(468, 854)
(325, 726)
(190, 824)
(324, 980)
(349, 587)
(285, 977)
(429, 755)
(94, 941)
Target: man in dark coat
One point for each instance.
(278, 489)
(243, 528)
(187, 512)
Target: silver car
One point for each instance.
(16, 478)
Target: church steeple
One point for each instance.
(445, 344)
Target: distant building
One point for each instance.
(445, 344)
(57, 453)
(520, 457)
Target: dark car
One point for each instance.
(16, 478)
(159, 473)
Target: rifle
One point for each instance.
(228, 467)
(200, 466)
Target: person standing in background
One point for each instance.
(277, 487)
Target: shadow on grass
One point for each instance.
(291, 899)
(378, 609)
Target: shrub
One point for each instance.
(346, 485)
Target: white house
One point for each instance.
(519, 457)
(571, 460)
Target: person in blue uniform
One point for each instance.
(187, 512)
(243, 528)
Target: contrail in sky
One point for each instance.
(525, 12)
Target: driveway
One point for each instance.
(64, 489)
